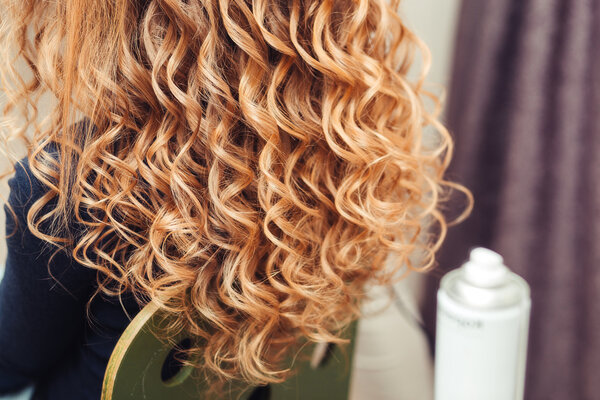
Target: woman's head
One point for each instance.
(247, 165)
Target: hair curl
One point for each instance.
(247, 165)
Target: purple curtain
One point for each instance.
(524, 109)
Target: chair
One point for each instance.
(144, 367)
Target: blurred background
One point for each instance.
(523, 86)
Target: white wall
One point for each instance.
(435, 23)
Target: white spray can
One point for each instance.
(482, 328)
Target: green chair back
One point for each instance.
(141, 367)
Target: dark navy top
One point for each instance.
(45, 337)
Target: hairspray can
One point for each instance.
(482, 327)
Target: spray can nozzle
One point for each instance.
(485, 268)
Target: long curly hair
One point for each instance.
(246, 165)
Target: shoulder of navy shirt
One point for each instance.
(45, 337)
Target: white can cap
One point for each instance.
(485, 268)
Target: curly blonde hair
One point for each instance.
(247, 165)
